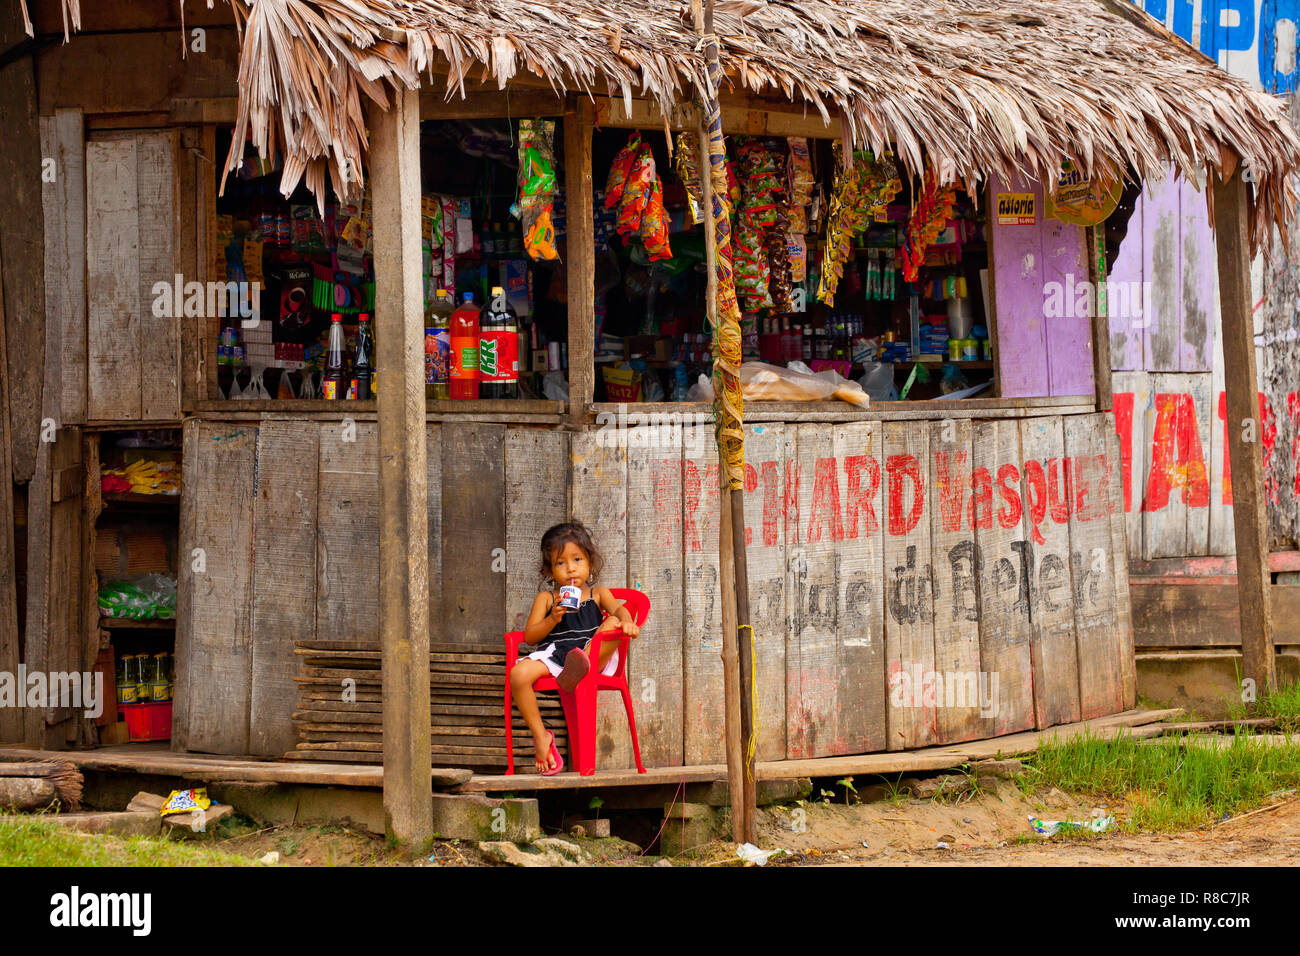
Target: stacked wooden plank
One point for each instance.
(340, 706)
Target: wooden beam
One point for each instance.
(490, 104)
(1192, 614)
(744, 116)
(580, 258)
(403, 482)
(202, 110)
(1231, 211)
(1095, 238)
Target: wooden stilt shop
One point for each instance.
(921, 573)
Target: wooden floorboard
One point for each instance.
(928, 758)
(155, 759)
(140, 758)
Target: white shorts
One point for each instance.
(544, 656)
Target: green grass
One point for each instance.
(1168, 786)
(35, 842)
(1283, 705)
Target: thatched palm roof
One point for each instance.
(974, 86)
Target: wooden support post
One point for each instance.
(744, 640)
(1231, 207)
(580, 256)
(733, 725)
(1095, 238)
(11, 718)
(403, 486)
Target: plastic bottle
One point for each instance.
(463, 374)
(437, 344)
(363, 368)
(499, 348)
(160, 688)
(335, 380)
(126, 679)
(144, 679)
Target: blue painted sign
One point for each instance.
(1256, 40)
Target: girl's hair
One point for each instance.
(554, 541)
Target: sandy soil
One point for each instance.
(993, 830)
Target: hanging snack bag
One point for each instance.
(654, 224)
(687, 160)
(537, 186)
(797, 250)
(620, 169)
(636, 193)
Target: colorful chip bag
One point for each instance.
(620, 170)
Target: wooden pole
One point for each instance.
(1095, 238)
(726, 557)
(737, 665)
(744, 639)
(580, 256)
(1231, 208)
(403, 485)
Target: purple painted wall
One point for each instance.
(1163, 303)
(1044, 336)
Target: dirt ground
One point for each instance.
(990, 829)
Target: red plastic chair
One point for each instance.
(580, 706)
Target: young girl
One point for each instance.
(563, 636)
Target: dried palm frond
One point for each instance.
(973, 87)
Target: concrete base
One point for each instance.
(455, 816)
(1205, 683)
(464, 816)
(119, 824)
(687, 826)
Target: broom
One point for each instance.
(63, 774)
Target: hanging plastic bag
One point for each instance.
(537, 185)
(701, 391)
(636, 193)
(555, 387)
(619, 171)
(654, 225)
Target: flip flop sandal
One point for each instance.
(555, 758)
(576, 666)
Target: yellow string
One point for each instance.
(752, 742)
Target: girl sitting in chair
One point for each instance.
(564, 619)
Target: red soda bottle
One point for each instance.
(464, 349)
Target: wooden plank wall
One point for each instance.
(1168, 382)
(910, 582)
(133, 358)
(63, 143)
(22, 249)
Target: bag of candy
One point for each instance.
(636, 193)
(537, 186)
(620, 169)
(654, 224)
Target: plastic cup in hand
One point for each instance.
(570, 597)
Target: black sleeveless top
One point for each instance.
(574, 630)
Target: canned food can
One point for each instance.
(570, 597)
